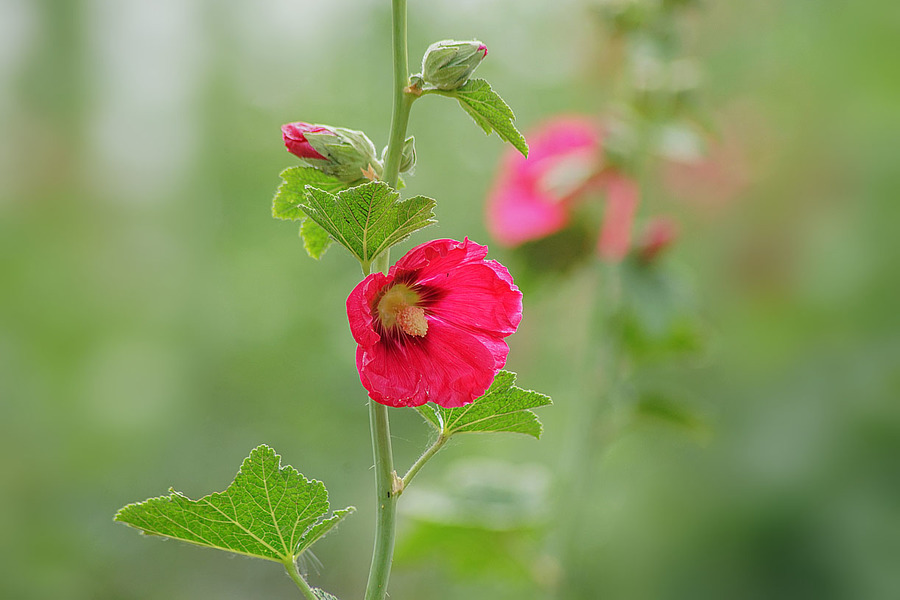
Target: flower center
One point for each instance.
(398, 307)
(412, 320)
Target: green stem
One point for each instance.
(386, 482)
(432, 450)
(386, 508)
(402, 99)
(291, 567)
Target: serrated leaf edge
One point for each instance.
(446, 428)
(466, 102)
(286, 182)
(322, 528)
(395, 237)
(341, 513)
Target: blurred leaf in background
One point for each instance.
(151, 309)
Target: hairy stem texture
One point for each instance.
(426, 456)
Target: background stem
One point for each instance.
(599, 360)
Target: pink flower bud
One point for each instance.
(658, 236)
(294, 135)
(344, 153)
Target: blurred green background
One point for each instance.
(156, 323)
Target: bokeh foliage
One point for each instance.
(152, 310)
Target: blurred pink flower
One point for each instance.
(534, 197)
(659, 234)
(622, 196)
(432, 329)
(527, 201)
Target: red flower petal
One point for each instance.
(449, 366)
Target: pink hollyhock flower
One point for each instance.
(432, 329)
(534, 197)
(294, 135)
(659, 234)
(622, 195)
(531, 198)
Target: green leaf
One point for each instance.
(489, 111)
(269, 512)
(369, 218)
(291, 194)
(503, 407)
(321, 528)
(483, 521)
(315, 239)
(292, 191)
(665, 410)
(323, 595)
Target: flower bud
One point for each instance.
(343, 153)
(449, 64)
(408, 157)
(294, 135)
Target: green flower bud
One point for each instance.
(408, 157)
(449, 64)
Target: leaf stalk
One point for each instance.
(291, 567)
(426, 456)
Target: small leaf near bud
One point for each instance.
(448, 64)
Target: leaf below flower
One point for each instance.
(503, 408)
